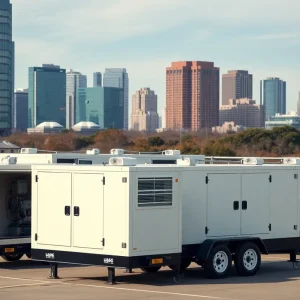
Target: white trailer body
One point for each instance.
(15, 207)
(118, 216)
(236, 201)
(229, 213)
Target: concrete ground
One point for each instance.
(28, 280)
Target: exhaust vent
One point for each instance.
(291, 161)
(188, 161)
(94, 151)
(9, 160)
(117, 151)
(29, 151)
(253, 161)
(172, 152)
(122, 161)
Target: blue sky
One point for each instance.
(145, 36)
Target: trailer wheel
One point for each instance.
(185, 263)
(219, 262)
(248, 259)
(150, 269)
(12, 257)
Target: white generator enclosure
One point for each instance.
(128, 215)
(15, 188)
(118, 216)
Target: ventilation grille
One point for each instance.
(153, 192)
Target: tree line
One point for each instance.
(251, 142)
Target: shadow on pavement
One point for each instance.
(274, 272)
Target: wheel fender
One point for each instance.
(206, 247)
(262, 247)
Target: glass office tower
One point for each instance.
(46, 95)
(6, 68)
(103, 106)
(75, 80)
(97, 79)
(118, 78)
(273, 91)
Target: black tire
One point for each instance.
(247, 259)
(219, 263)
(12, 257)
(28, 255)
(151, 269)
(185, 263)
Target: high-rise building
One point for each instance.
(236, 84)
(192, 95)
(118, 78)
(74, 81)
(6, 68)
(144, 115)
(101, 105)
(46, 95)
(243, 112)
(290, 119)
(97, 79)
(273, 93)
(21, 109)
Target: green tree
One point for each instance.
(155, 141)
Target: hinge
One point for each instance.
(295, 176)
(270, 178)
(103, 180)
(124, 245)
(270, 227)
(103, 242)
(36, 237)
(206, 179)
(206, 230)
(36, 178)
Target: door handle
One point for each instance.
(236, 205)
(67, 210)
(76, 211)
(244, 205)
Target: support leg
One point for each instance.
(177, 275)
(293, 256)
(293, 259)
(53, 271)
(129, 271)
(111, 276)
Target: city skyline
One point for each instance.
(266, 47)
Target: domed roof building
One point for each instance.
(49, 125)
(86, 127)
(46, 127)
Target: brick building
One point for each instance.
(192, 95)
